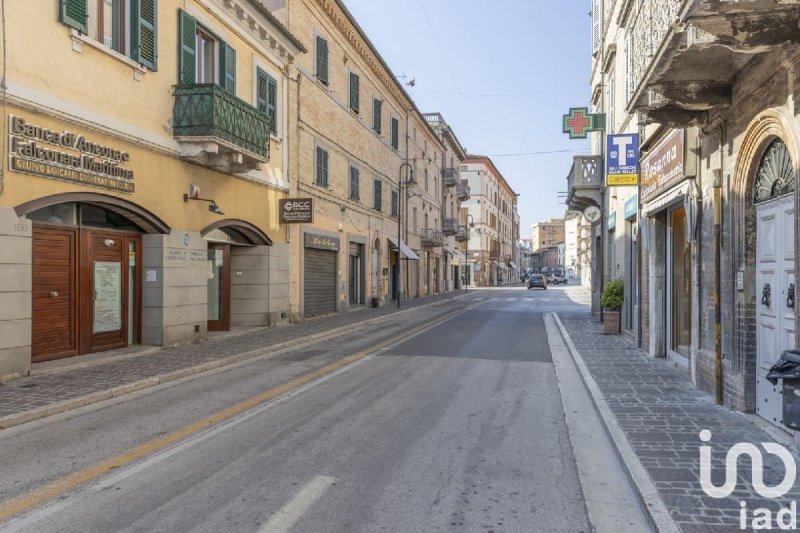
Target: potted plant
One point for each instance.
(611, 300)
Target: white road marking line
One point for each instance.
(288, 515)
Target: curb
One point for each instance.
(652, 503)
(194, 371)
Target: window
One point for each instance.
(395, 204)
(413, 219)
(322, 167)
(395, 133)
(354, 178)
(204, 57)
(126, 26)
(267, 98)
(354, 92)
(426, 179)
(378, 192)
(322, 60)
(376, 115)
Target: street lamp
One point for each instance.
(466, 254)
(409, 183)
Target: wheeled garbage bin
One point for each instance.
(788, 369)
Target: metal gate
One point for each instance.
(319, 282)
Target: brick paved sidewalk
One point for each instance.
(56, 391)
(661, 413)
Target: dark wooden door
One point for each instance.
(105, 295)
(54, 299)
(219, 287)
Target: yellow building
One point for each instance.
(358, 133)
(147, 154)
(547, 233)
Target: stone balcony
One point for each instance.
(449, 177)
(218, 130)
(462, 191)
(431, 238)
(449, 226)
(585, 182)
(686, 53)
(462, 233)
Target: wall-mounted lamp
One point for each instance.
(212, 205)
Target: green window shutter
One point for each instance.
(144, 32)
(354, 92)
(322, 60)
(395, 203)
(187, 34)
(267, 98)
(378, 194)
(395, 133)
(322, 167)
(376, 115)
(354, 185)
(74, 13)
(227, 67)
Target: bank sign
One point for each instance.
(622, 158)
(67, 156)
(296, 211)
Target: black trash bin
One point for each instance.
(788, 369)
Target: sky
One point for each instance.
(502, 73)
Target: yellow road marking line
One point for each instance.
(59, 486)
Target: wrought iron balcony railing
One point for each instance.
(224, 131)
(462, 233)
(449, 177)
(584, 182)
(449, 226)
(431, 238)
(462, 191)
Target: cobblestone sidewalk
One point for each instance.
(32, 397)
(662, 414)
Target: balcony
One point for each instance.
(449, 226)
(462, 191)
(449, 177)
(431, 238)
(218, 130)
(685, 53)
(585, 182)
(462, 233)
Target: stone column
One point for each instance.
(15, 294)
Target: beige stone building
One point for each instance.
(358, 136)
(547, 233)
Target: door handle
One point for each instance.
(53, 294)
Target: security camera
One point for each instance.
(214, 208)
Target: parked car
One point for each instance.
(559, 278)
(537, 280)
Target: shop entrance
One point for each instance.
(679, 288)
(219, 287)
(86, 294)
(775, 278)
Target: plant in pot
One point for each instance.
(611, 300)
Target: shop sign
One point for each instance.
(622, 160)
(631, 207)
(592, 214)
(612, 221)
(184, 257)
(67, 156)
(296, 211)
(663, 167)
(323, 242)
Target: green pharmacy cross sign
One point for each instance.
(579, 122)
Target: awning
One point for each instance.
(514, 266)
(404, 250)
(458, 257)
(502, 266)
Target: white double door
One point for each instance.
(774, 278)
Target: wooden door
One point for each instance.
(219, 287)
(105, 295)
(54, 299)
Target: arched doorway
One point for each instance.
(236, 241)
(86, 273)
(774, 202)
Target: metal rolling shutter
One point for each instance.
(319, 272)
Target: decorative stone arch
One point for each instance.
(766, 127)
(239, 229)
(147, 221)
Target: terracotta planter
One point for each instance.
(611, 322)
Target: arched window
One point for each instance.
(775, 176)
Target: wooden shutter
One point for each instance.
(597, 21)
(322, 167)
(74, 13)
(354, 185)
(376, 115)
(272, 104)
(322, 60)
(395, 203)
(378, 194)
(187, 34)
(354, 92)
(227, 67)
(144, 34)
(395, 133)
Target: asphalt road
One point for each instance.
(457, 427)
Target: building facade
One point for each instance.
(716, 199)
(547, 233)
(134, 214)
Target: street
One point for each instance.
(448, 419)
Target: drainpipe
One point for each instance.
(717, 185)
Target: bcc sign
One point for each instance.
(296, 211)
